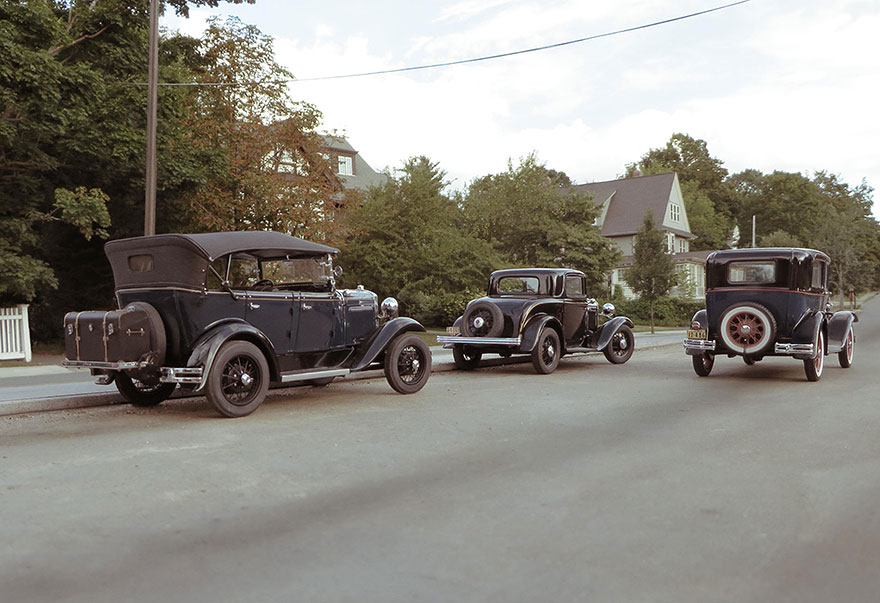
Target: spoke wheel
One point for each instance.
(747, 328)
(239, 379)
(407, 364)
(466, 358)
(140, 393)
(482, 319)
(703, 363)
(545, 356)
(845, 356)
(621, 347)
(814, 366)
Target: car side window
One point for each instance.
(243, 272)
(819, 275)
(574, 286)
(212, 281)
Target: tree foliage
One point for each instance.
(408, 242)
(652, 274)
(531, 221)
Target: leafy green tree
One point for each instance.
(780, 238)
(652, 274)
(409, 242)
(533, 222)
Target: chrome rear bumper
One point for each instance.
(796, 349)
(701, 345)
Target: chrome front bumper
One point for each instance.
(700, 345)
(449, 340)
(796, 349)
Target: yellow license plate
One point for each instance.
(452, 330)
(696, 333)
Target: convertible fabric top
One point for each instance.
(263, 244)
(182, 259)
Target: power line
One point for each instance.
(462, 61)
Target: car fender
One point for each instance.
(533, 329)
(838, 326)
(375, 346)
(607, 330)
(701, 318)
(807, 330)
(208, 345)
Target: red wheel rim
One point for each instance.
(746, 329)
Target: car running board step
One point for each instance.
(306, 376)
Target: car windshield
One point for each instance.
(518, 284)
(751, 272)
(315, 270)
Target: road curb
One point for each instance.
(446, 364)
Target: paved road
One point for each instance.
(638, 482)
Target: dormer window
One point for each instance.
(345, 166)
(674, 212)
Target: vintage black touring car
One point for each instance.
(544, 312)
(229, 313)
(769, 302)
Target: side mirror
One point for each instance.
(337, 271)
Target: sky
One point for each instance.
(790, 85)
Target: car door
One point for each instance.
(269, 311)
(319, 323)
(574, 307)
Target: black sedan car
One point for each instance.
(543, 312)
(769, 302)
(229, 313)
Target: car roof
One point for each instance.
(765, 253)
(535, 272)
(263, 244)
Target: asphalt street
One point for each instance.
(639, 482)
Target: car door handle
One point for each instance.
(253, 306)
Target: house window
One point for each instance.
(345, 166)
(670, 242)
(674, 212)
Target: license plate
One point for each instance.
(452, 330)
(697, 334)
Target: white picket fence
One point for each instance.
(15, 336)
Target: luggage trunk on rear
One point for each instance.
(114, 336)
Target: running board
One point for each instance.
(291, 377)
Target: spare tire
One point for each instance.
(482, 319)
(158, 341)
(747, 328)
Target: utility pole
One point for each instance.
(152, 101)
(753, 232)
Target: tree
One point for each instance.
(652, 274)
(273, 174)
(532, 222)
(409, 242)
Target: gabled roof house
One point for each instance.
(624, 204)
(350, 169)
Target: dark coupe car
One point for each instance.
(544, 312)
(769, 302)
(229, 313)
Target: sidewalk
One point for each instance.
(39, 388)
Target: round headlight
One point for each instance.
(608, 310)
(389, 306)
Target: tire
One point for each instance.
(158, 339)
(407, 363)
(465, 358)
(239, 379)
(322, 382)
(621, 347)
(845, 356)
(747, 328)
(545, 355)
(703, 363)
(482, 319)
(143, 394)
(813, 367)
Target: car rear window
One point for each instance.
(754, 272)
(518, 284)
